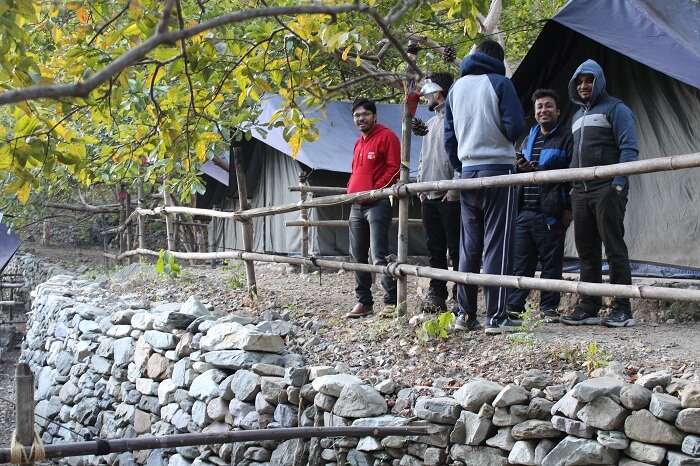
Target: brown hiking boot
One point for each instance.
(360, 310)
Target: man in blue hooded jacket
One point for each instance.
(604, 134)
(483, 119)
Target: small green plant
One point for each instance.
(437, 327)
(595, 357)
(530, 323)
(167, 265)
(237, 280)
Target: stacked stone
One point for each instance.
(117, 367)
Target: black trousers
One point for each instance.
(369, 229)
(441, 224)
(535, 240)
(599, 220)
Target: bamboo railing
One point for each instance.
(401, 269)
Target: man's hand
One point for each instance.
(524, 165)
(418, 127)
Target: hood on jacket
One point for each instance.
(480, 63)
(588, 67)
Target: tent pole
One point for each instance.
(247, 224)
(402, 245)
(141, 221)
(304, 217)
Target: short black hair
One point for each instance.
(539, 93)
(444, 80)
(491, 48)
(365, 103)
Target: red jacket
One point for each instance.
(376, 160)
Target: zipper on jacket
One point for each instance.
(580, 144)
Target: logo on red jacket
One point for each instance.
(371, 155)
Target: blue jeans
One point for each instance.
(369, 229)
(536, 240)
(487, 217)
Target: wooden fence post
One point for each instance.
(304, 215)
(169, 227)
(141, 221)
(402, 246)
(24, 405)
(247, 223)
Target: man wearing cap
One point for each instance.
(440, 210)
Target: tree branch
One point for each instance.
(83, 88)
(106, 25)
(395, 42)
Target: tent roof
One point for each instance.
(337, 134)
(664, 35)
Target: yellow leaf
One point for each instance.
(295, 143)
(346, 52)
(201, 149)
(82, 15)
(23, 193)
(358, 60)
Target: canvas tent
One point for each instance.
(271, 170)
(650, 52)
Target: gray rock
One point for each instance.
(571, 378)
(268, 370)
(572, 427)
(325, 402)
(536, 378)
(178, 460)
(123, 351)
(194, 306)
(296, 376)
(613, 439)
(509, 416)
(262, 406)
(614, 369)
(286, 415)
(356, 401)
(142, 321)
(217, 409)
(232, 335)
(101, 365)
(368, 444)
(635, 397)
(590, 389)
(473, 394)
(574, 451)
(434, 456)
(166, 392)
(679, 459)
(691, 445)
(359, 458)
(386, 387)
(443, 410)
(511, 395)
(478, 456)
(290, 453)
(503, 439)
(650, 381)
(603, 413)
(319, 371)
(271, 388)
(239, 359)
(122, 317)
(245, 385)
(239, 410)
(206, 385)
(47, 409)
(276, 327)
(470, 429)
(386, 420)
(690, 396)
(439, 436)
(568, 406)
(543, 448)
(523, 452)
(333, 384)
(540, 408)
(665, 406)
(688, 420)
(181, 369)
(555, 392)
(160, 340)
(652, 454)
(199, 413)
(534, 429)
(644, 427)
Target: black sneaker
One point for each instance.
(515, 316)
(465, 324)
(503, 326)
(619, 318)
(580, 316)
(551, 316)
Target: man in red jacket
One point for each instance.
(375, 165)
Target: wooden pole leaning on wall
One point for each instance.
(304, 217)
(402, 244)
(141, 220)
(247, 225)
(24, 436)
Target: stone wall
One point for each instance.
(118, 367)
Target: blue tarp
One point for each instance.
(662, 34)
(337, 134)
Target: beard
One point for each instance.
(433, 105)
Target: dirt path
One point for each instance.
(7, 397)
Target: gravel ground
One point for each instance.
(378, 348)
(7, 397)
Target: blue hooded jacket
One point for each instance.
(603, 129)
(483, 115)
